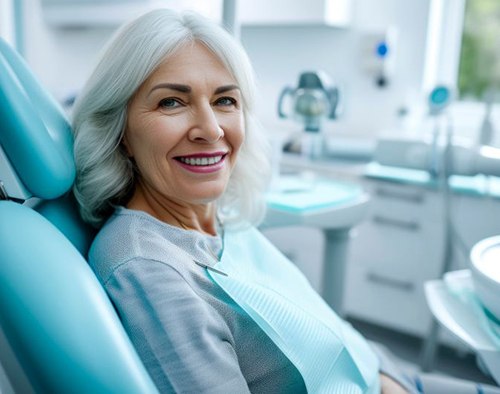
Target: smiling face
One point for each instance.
(184, 129)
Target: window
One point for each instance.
(463, 52)
(479, 69)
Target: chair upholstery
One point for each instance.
(35, 134)
(54, 313)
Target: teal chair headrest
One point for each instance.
(36, 142)
(36, 149)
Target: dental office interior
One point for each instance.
(384, 123)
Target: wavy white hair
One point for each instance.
(105, 175)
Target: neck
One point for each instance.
(198, 217)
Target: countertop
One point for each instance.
(354, 170)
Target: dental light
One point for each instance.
(310, 103)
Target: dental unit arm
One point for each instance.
(422, 155)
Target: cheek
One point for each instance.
(241, 140)
(151, 138)
(238, 135)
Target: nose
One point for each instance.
(206, 126)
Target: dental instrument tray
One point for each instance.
(454, 303)
(485, 270)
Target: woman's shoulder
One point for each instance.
(130, 235)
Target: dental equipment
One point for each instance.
(311, 102)
(442, 157)
(485, 270)
(487, 131)
(60, 332)
(467, 160)
(441, 167)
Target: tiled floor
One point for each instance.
(408, 351)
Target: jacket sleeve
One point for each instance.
(184, 344)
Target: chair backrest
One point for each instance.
(54, 314)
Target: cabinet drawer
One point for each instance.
(398, 305)
(404, 200)
(392, 254)
(406, 224)
(386, 300)
(408, 195)
(406, 250)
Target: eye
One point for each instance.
(226, 101)
(169, 103)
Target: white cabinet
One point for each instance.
(112, 13)
(286, 12)
(392, 254)
(401, 246)
(71, 13)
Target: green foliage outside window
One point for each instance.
(479, 71)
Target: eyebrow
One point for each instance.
(226, 88)
(187, 89)
(173, 86)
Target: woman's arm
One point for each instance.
(390, 386)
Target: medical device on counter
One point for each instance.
(433, 156)
(310, 103)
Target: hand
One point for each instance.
(390, 386)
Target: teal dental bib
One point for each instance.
(330, 355)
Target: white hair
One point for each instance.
(105, 174)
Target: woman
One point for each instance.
(172, 168)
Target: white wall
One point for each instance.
(61, 58)
(281, 53)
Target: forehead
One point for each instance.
(192, 61)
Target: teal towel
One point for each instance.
(296, 194)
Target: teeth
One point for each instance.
(200, 161)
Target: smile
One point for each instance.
(201, 161)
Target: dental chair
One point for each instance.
(55, 317)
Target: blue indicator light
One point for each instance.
(382, 49)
